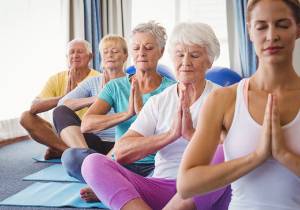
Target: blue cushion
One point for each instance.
(222, 76)
(161, 69)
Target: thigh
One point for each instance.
(157, 192)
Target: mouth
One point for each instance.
(186, 71)
(273, 49)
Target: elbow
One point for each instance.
(182, 189)
(85, 126)
(120, 155)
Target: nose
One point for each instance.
(186, 60)
(272, 34)
(142, 52)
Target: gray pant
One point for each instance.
(72, 160)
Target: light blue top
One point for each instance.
(116, 93)
(90, 88)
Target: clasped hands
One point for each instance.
(272, 141)
(183, 124)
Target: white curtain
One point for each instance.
(34, 34)
(116, 17)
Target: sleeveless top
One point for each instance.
(270, 186)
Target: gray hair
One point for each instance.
(195, 33)
(155, 29)
(86, 44)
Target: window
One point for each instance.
(169, 13)
(32, 39)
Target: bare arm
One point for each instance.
(280, 151)
(134, 146)
(95, 119)
(43, 105)
(79, 103)
(205, 142)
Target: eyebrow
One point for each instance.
(279, 20)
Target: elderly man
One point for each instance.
(79, 54)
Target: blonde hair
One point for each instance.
(114, 39)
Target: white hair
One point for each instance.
(155, 29)
(195, 33)
(86, 44)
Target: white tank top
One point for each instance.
(271, 186)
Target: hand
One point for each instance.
(130, 111)
(73, 79)
(263, 150)
(138, 99)
(278, 145)
(175, 130)
(187, 129)
(105, 79)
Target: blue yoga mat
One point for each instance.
(41, 158)
(52, 194)
(54, 173)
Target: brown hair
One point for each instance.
(294, 5)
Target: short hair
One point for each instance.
(294, 5)
(86, 44)
(114, 39)
(155, 29)
(195, 33)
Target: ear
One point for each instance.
(90, 56)
(298, 30)
(162, 52)
(249, 31)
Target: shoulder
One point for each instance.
(222, 98)
(94, 72)
(167, 82)
(169, 91)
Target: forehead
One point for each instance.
(77, 45)
(112, 44)
(271, 10)
(144, 38)
(189, 47)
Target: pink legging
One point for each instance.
(115, 186)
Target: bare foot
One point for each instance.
(88, 195)
(52, 154)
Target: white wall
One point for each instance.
(297, 57)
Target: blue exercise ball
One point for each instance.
(222, 76)
(161, 69)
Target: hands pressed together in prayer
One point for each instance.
(135, 99)
(272, 140)
(183, 124)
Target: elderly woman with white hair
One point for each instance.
(165, 125)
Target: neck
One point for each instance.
(272, 78)
(114, 73)
(148, 80)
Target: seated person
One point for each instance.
(165, 125)
(126, 96)
(79, 54)
(261, 118)
(114, 53)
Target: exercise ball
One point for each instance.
(222, 76)
(163, 70)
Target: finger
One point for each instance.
(268, 114)
(275, 115)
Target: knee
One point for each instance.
(93, 162)
(72, 160)
(26, 120)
